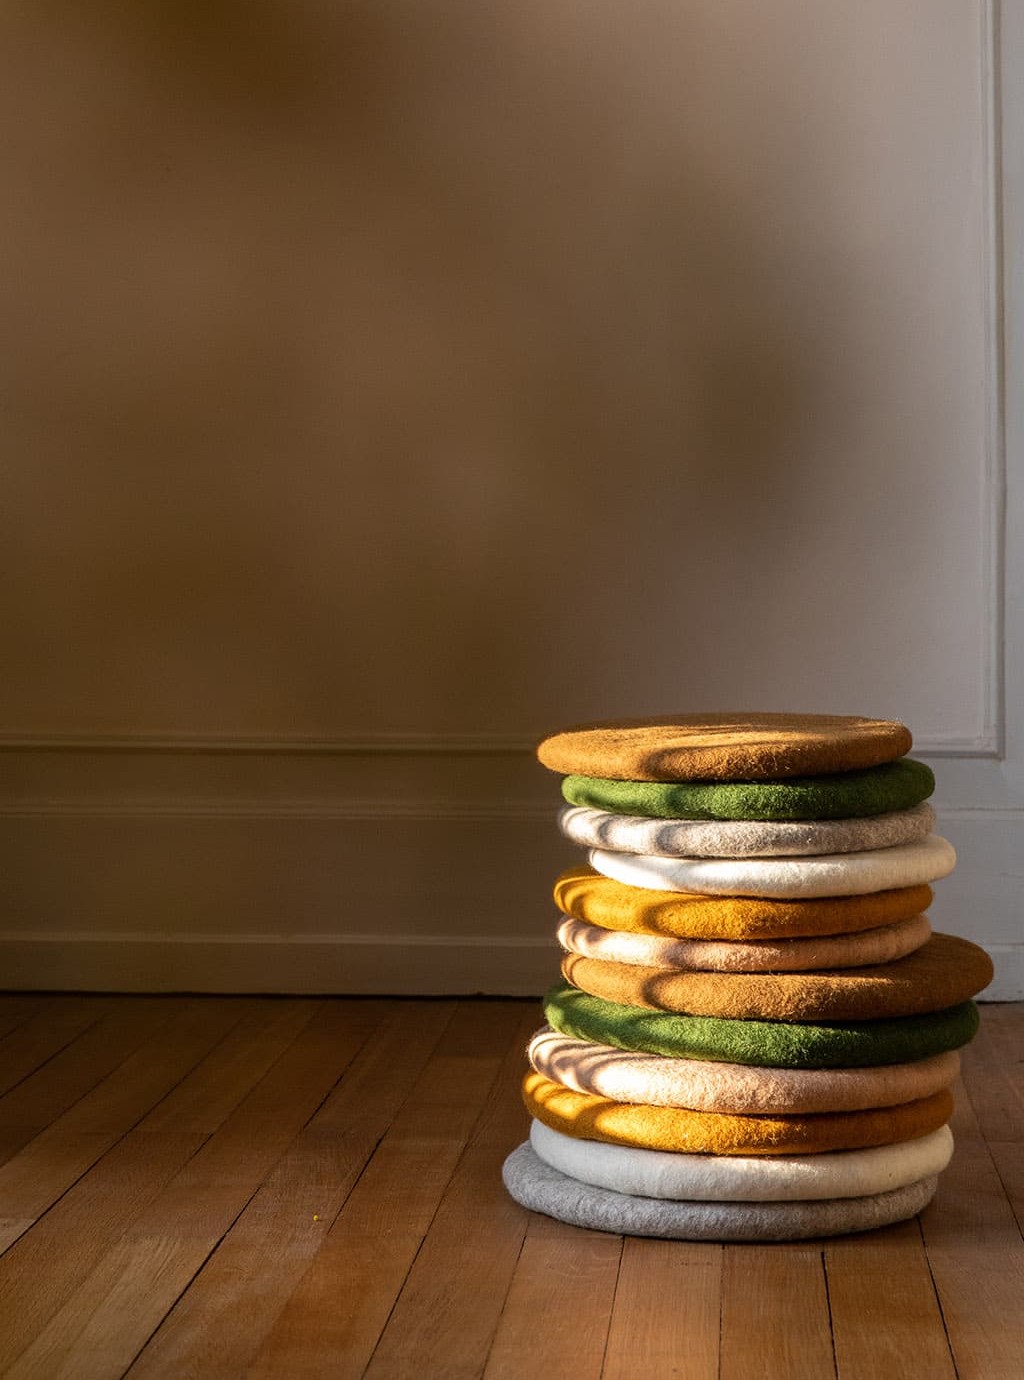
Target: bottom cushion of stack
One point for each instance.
(538, 1186)
(741, 1178)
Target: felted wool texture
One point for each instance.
(757, 956)
(535, 1185)
(745, 1178)
(833, 874)
(702, 1085)
(876, 791)
(943, 972)
(768, 1044)
(587, 895)
(719, 1133)
(724, 746)
(681, 838)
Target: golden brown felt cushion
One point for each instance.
(724, 747)
(945, 971)
(587, 895)
(718, 1133)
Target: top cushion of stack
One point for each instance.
(724, 747)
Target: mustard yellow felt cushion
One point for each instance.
(587, 895)
(942, 973)
(717, 1133)
(724, 746)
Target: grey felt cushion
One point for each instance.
(737, 838)
(537, 1186)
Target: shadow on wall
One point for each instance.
(391, 368)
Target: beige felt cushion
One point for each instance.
(881, 945)
(724, 746)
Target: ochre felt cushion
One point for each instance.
(771, 1044)
(587, 895)
(945, 971)
(875, 791)
(717, 1133)
(737, 838)
(745, 1178)
(882, 945)
(535, 1185)
(629, 1076)
(831, 874)
(724, 746)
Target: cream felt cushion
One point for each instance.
(537, 1186)
(833, 874)
(734, 838)
(703, 1085)
(880, 945)
(731, 1178)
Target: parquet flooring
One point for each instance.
(293, 1189)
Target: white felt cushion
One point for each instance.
(707, 1086)
(834, 874)
(881, 945)
(736, 838)
(743, 1178)
(536, 1185)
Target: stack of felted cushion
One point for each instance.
(757, 1032)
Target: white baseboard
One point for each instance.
(359, 965)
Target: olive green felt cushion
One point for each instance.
(874, 791)
(724, 746)
(770, 1044)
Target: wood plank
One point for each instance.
(335, 1316)
(440, 1327)
(556, 1313)
(16, 1009)
(667, 1310)
(35, 1041)
(45, 1264)
(886, 1320)
(775, 1318)
(976, 1255)
(431, 1127)
(50, 1163)
(129, 1289)
(55, 1087)
(994, 1066)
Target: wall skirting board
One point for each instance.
(432, 895)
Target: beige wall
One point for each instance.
(387, 383)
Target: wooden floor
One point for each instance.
(278, 1188)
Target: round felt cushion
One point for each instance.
(587, 895)
(875, 791)
(719, 1133)
(943, 972)
(704, 838)
(702, 1085)
(535, 1185)
(832, 874)
(759, 956)
(724, 746)
(746, 1178)
(771, 1044)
